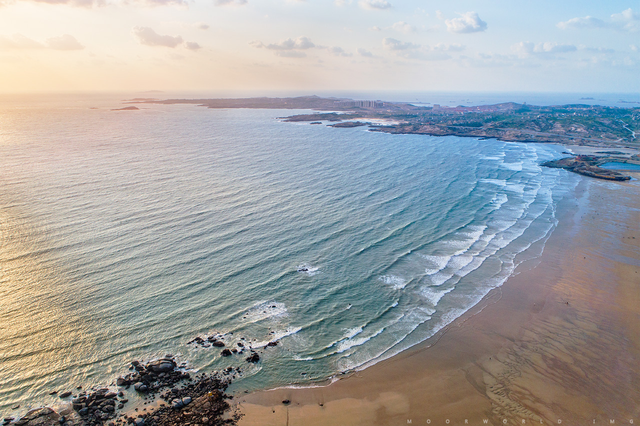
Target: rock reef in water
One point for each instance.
(588, 165)
(187, 400)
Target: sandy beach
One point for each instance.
(558, 343)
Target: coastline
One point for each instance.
(559, 341)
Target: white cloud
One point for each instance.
(339, 51)
(374, 4)
(149, 37)
(291, 54)
(365, 53)
(301, 43)
(634, 47)
(18, 41)
(201, 25)
(403, 27)
(448, 47)
(393, 44)
(192, 45)
(548, 48)
(627, 21)
(64, 42)
(230, 2)
(586, 22)
(468, 22)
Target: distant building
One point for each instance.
(361, 104)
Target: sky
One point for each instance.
(319, 45)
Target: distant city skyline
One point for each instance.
(319, 45)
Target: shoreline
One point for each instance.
(498, 361)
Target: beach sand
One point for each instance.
(559, 342)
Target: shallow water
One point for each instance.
(123, 235)
(620, 166)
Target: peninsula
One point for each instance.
(577, 124)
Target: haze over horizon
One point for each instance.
(318, 45)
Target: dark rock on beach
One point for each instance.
(254, 358)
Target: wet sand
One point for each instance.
(558, 342)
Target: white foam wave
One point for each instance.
(516, 167)
(264, 310)
(347, 344)
(398, 283)
(277, 335)
(307, 269)
(433, 295)
(439, 262)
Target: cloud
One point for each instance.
(440, 47)
(468, 22)
(64, 42)
(149, 37)
(374, 4)
(192, 45)
(406, 50)
(18, 41)
(301, 43)
(403, 27)
(230, 2)
(586, 22)
(341, 3)
(339, 51)
(290, 54)
(288, 48)
(393, 44)
(627, 21)
(97, 3)
(548, 48)
(201, 25)
(365, 53)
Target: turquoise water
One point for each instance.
(620, 166)
(123, 235)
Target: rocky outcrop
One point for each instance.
(587, 165)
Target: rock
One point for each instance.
(225, 352)
(177, 403)
(286, 402)
(140, 387)
(53, 392)
(162, 365)
(186, 400)
(120, 406)
(39, 417)
(139, 421)
(66, 394)
(111, 395)
(254, 357)
(84, 411)
(122, 381)
(217, 344)
(274, 343)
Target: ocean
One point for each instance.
(126, 234)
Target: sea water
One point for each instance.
(125, 234)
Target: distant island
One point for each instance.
(575, 124)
